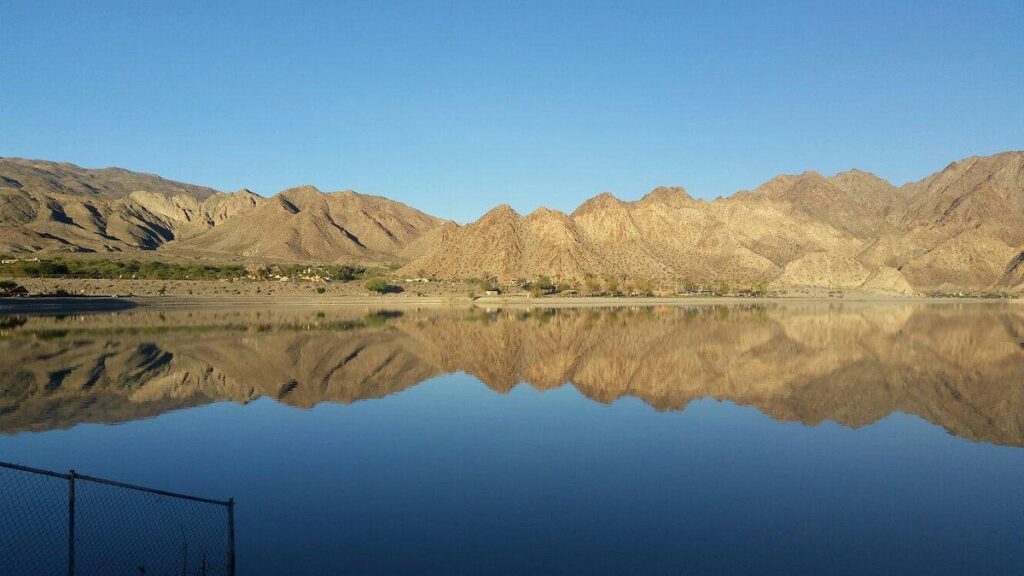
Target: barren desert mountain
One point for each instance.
(854, 364)
(60, 207)
(961, 228)
(305, 224)
(43, 177)
(46, 206)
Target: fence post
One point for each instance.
(231, 537)
(71, 523)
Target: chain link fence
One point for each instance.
(56, 523)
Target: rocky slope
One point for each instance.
(959, 229)
(47, 207)
(306, 224)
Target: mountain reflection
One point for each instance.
(958, 366)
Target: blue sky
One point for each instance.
(454, 107)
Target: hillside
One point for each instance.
(961, 228)
(305, 224)
(49, 207)
(43, 177)
(45, 206)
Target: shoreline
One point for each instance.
(56, 305)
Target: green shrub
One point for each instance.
(113, 269)
(377, 285)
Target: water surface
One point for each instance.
(799, 438)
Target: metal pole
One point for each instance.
(71, 523)
(231, 537)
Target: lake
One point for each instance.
(795, 438)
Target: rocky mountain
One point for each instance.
(854, 363)
(959, 229)
(48, 207)
(306, 224)
(43, 177)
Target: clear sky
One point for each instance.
(454, 107)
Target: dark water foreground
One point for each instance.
(803, 438)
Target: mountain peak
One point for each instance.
(300, 195)
(500, 212)
(602, 201)
(667, 195)
(784, 185)
(545, 213)
(858, 182)
(302, 189)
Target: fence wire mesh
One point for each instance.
(118, 528)
(33, 523)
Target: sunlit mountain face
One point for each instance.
(960, 367)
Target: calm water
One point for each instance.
(797, 439)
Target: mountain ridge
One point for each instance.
(959, 228)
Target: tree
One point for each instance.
(644, 287)
(541, 286)
(258, 271)
(611, 284)
(591, 285)
(377, 285)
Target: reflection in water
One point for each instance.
(960, 367)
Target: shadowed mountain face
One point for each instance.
(959, 367)
(306, 224)
(50, 207)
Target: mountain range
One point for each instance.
(961, 228)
